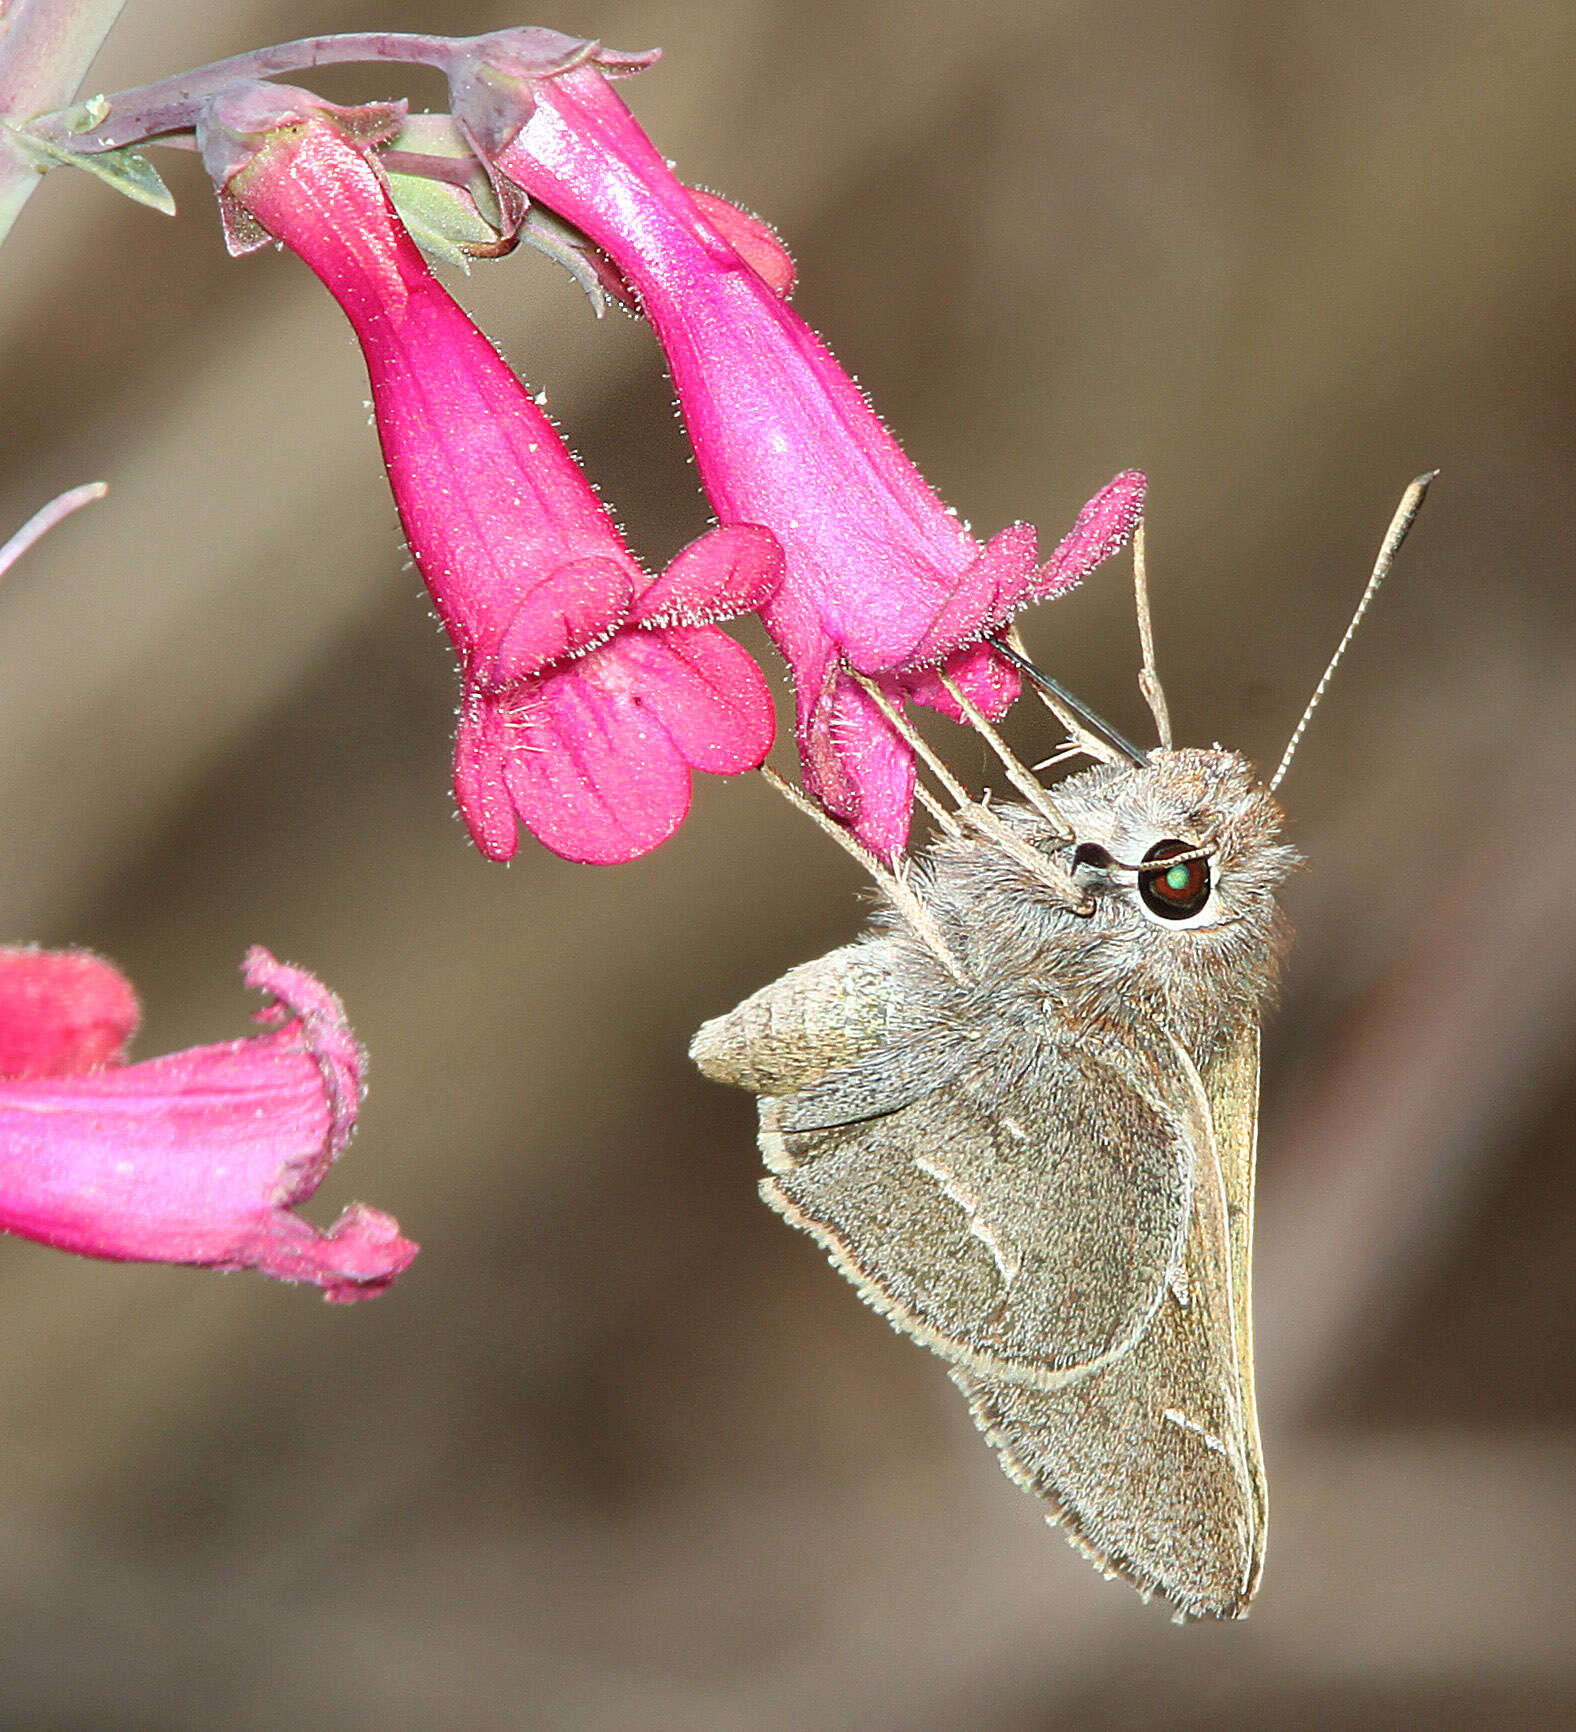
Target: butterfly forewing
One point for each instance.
(1231, 1081)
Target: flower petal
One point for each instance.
(985, 598)
(986, 679)
(575, 606)
(62, 1012)
(591, 772)
(1101, 528)
(198, 1157)
(706, 691)
(877, 763)
(482, 744)
(731, 570)
(816, 679)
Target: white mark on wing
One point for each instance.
(966, 1200)
(1183, 1423)
(1007, 1265)
(1013, 1129)
(1179, 1284)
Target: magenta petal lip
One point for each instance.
(553, 619)
(201, 1156)
(599, 780)
(595, 756)
(728, 571)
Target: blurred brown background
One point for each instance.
(621, 1451)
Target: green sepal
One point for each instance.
(442, 219)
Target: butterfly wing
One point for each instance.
(1066, 1218)
(1232, 1084)
(1029, 1240)
(1152, 1461)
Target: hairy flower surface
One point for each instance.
(589, 690)
(198, 1157)
(880, 577)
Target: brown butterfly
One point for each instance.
(1020, 1114)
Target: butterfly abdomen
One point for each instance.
(819, 1017)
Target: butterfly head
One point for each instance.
(1176, 862)
(1179, 860)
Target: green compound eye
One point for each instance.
(1179, 892)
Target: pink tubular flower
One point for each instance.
(198, 1157)
(879, 576)
(590, 691)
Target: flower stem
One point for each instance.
(171, 104)
(45, 518)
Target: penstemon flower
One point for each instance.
(589, 690)
(880, 577)
(198, 1157)
(879, 581)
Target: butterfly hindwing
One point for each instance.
(1027, 1241)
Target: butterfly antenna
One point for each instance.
(892, 882)
(1148, 679)
(977, 816)
(1095, 735)
(1405, 515)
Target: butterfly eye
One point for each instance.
(1174, 892)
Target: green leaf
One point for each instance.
(124, 170)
